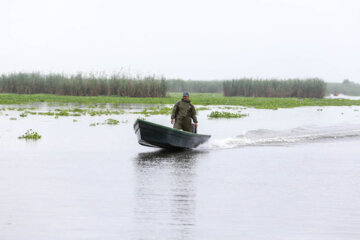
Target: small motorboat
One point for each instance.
(154, 135)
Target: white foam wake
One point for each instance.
(264, 137)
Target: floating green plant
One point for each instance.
(111, 121)
(196, 98)
(13, 118)
(217, 114)
(30, 134)
(155, 111)
(78, 110)
(46, 113)
(31, 112)
(62, 113)
(104, 112)
(23, 115)
(202, 108)
(229, 108)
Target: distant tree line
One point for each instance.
(308, 88)
(346, 87)
(178, 85)
(125, 86)
(82, 85)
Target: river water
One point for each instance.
(276, 174)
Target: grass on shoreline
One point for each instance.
(172, 98)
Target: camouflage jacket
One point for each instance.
(184, 109)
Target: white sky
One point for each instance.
(189, 39)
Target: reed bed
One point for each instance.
(308, 88)
(347, 88)
(178, 85)
(82, 85)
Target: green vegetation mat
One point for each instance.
(196, 98)
(217, 114)
(30, 134)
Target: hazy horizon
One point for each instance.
(190, 40)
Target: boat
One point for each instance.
(155, 135)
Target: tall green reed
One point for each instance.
(82, 85)
(308, 88)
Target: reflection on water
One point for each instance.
(165, 194)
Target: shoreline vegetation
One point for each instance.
(99, 89)
(346, 87)
(307, 88)
(83, 85)
(171, 98)
(119, 84)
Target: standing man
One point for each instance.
(182, 112)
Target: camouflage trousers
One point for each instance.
(183, 123)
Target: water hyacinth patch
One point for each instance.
(31, 112)
(172, 98)
(111, 121)
(63, 113)
(155, 111)
(30, 134)
(202, 108)
(46, 113)
(217, 114)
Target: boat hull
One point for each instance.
(155, 135)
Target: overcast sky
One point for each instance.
(189, 39)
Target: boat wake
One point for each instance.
(264, 137)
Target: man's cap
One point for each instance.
(185, 94)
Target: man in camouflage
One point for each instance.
(182, 112)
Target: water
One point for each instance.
(285, 174)
(342, 96)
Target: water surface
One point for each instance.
(285, 174)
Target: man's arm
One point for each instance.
(193, 115)
(174, 112)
